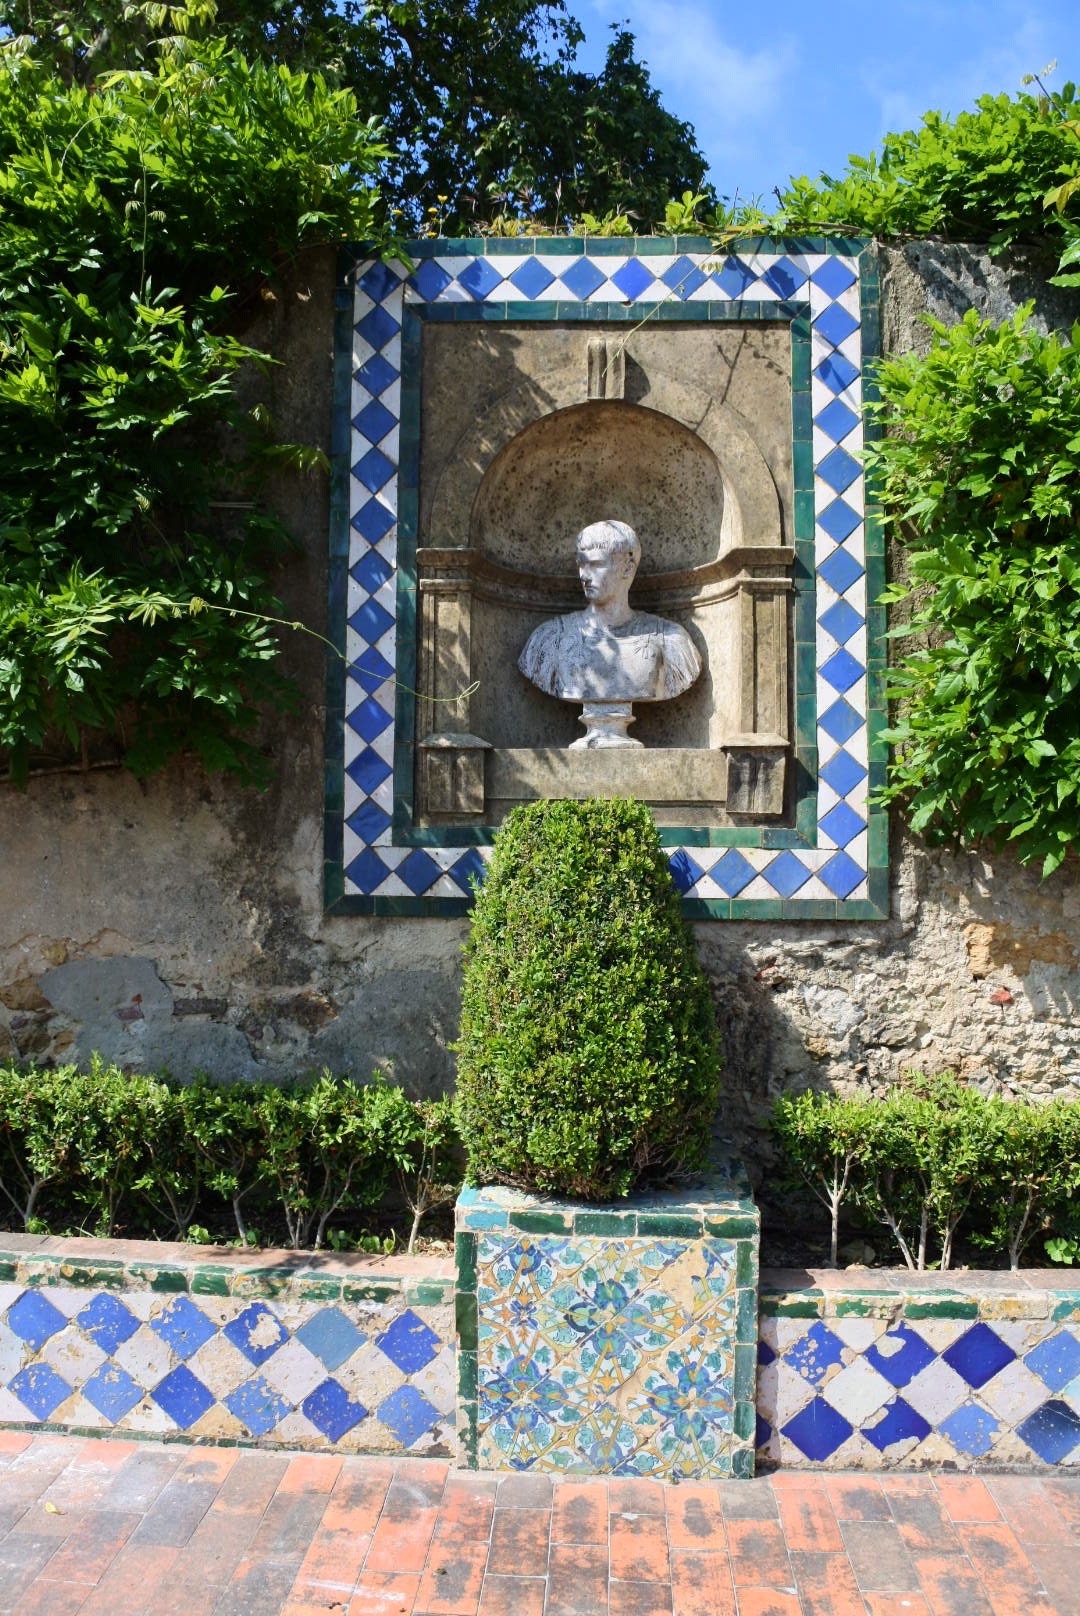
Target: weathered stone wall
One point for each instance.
(178, 923)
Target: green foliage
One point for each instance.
(588, 1056)
(980, 466)
(104, 1150)
(138, 217)
(934, 1156)
(987, 176)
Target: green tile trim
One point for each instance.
(369, 1291)
(941, 1307)
(746, 1266)
(465, 1261)
(672, 1226)
(619, 1223)
(542, 1222)
(729, 1228)
(465, 1319)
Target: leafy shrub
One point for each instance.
(980, 464)
(934, 1155)
(588, 1055)
(105, 1149)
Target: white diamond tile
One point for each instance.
(72, 1354)
(936, 1390)
(857, 1391)
(145, 1356)
(858, 1333)
(1014, 1393)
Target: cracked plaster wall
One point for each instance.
(178, 923)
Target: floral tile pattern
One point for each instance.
(835, 870)
(938, 1386)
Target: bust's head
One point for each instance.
(607, 558)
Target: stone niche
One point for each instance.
(528, 433)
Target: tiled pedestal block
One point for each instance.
(877, 1368)
(609, 1340)
(278, 1349)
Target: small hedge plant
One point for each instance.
(589, 1057)
(934, 1159)
(108, 1152)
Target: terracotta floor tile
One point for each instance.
(311, 1473)
(1058, 1568)
(1031, 1511)
(951, 1585)
(879, 1556)
(759, 1556)
(90, 1547)
(808, 1522)
(577, 1580)
(826, 1585)
(638, 1548)
(452, 1579)
(519, 1542)
(639, 1598)
(695, 1519)
(401, 1545)
(858, 1498)
(466, 1508)
(767, 1602)
(513, 1596)
(631, 1495)
(701, 1583)
(966, 1498)
(525, 1492)
(1010, 1579)
(385, 1593)
(906, 1604)
(579, 1513)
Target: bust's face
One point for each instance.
(605, 575)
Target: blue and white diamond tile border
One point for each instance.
(885, 1377)
(838, 869)
(335, 1376)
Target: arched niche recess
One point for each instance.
(497, 557)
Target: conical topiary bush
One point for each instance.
(589, 1057)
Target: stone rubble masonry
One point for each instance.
(178, 922)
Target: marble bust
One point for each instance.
(609, 656)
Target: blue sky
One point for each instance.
(770, 94)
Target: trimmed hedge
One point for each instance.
(104, 1151)
(935, 1158)
(589, 1056)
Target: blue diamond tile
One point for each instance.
(684, 277)
(331, 1336)
(734, 278)
(532, 278)
(786, 874)
(419, 871)
(784, 277)
(374, 421)
(367, 871)
(468, 868)
(430, 279)
(834, 276)
(836, 420)
(480, 278)
(367, 822)
(841, 825)
(839, 470)
(371, 620)
(732, 872)
(838, 520)
(332, 1411)
(815, 1353)
(684, 870)
(34, 1319)
(634, 278)
(409, 1343)
(817, 1430)
(183, 1397)
(408, 1414)
(1052, 1431)
(372, 571)
(899, 1355)
(840, 721)
(840, 570)
(765, 1354)
(368, 770)
(40, 1389)
(183, 1326)
(373, 521)
(836, 372)
(107, 1322)
(836, 324)
(1056, 1360)
(582, 278)
(971, 1428)
(978, 1355)
(374, 470)
(112, 1392)
(377, 327)
(257, 1332)
(369, 719)
(370, 669)
(899, 1423)
(379, 281)
(762, 1432)
(843, 772)
(842, 670)
(376, 374)
(841, 621)
(258, 1406)
(841, 875)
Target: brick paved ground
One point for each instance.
(110, 1528)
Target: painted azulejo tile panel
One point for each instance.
(616, 1352)
(832, 863)
(276, 1369)
(910, 1378)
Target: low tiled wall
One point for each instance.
(876, 1369)
(345, 1354)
